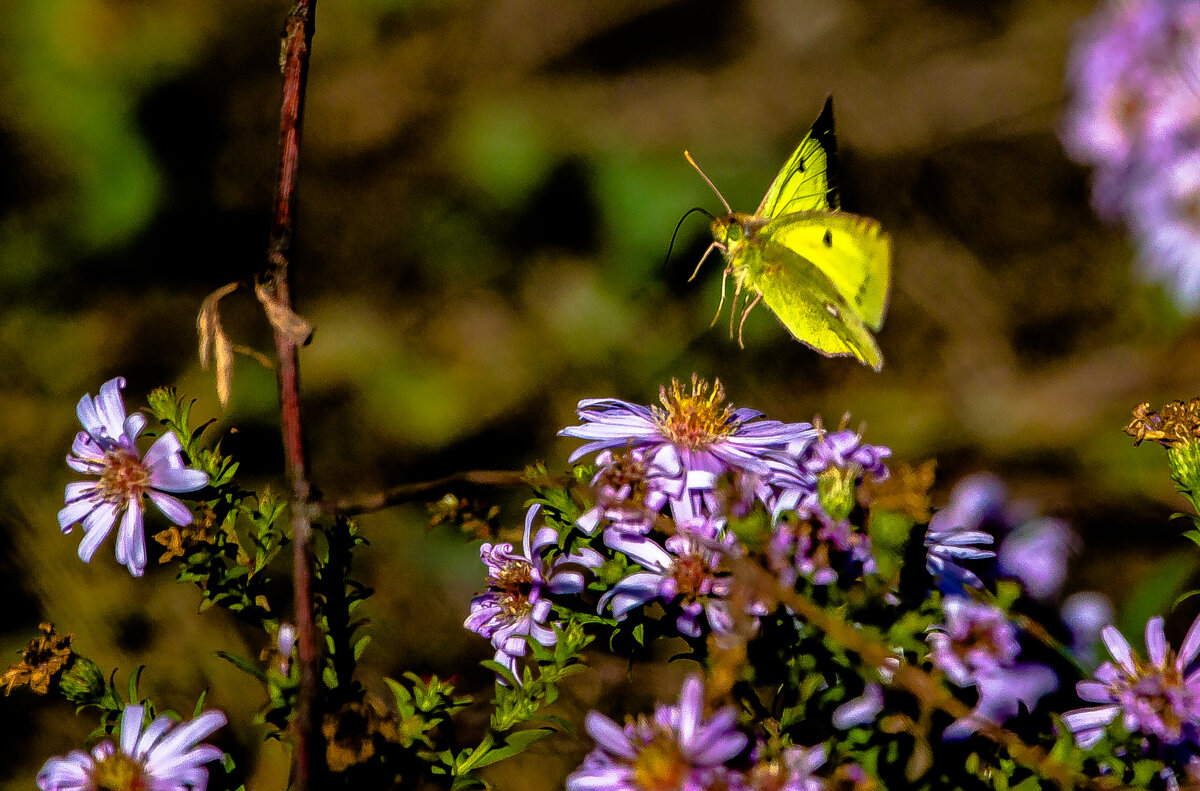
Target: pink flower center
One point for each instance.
(689, 572)
(124, 476)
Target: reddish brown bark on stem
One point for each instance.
(274, 292)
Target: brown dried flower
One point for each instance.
(44, 658)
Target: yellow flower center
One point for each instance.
(119, 772)
(124, 476)
(659, 766)
(697, 419)
(514, 583)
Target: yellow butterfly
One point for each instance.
(824, 272)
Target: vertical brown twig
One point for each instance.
(273, 291)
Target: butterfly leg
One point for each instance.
(745, 315)
(700, 263)
(733, 309)
(721, 304)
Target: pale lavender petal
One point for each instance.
(174, 510)
(164, 451)
(110, 407)
(97, 526)
(1190, 647)
(1156, 641)
(1094, 691)
(186, 735)
(131, 729)
(177, 479)
(1118, 647)
(131, 541)
(1089, 718)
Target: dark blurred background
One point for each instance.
(487, 194)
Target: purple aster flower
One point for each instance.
(166, 756)
(792, 770)
(695, 431)
(956, 531)
(107, 448)
(977, 646)
(1086, 614)
(1164, 218)
(685, 573)
(975, 637)
(819, 550)
(1157, 697)
(631, 491)
(1036, 555)
(679, 748)
(830, 467)
(515, 606)
(1002, 690)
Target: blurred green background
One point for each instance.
(487, 194)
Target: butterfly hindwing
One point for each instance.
(852, 251)
(808, 181)
(807, 302)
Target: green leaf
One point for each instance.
(245, 665)
(514, 743)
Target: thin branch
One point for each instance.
(273, 291)
(352, 506)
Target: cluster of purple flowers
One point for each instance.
(680, 748)
(705, 462)
(1134, 115)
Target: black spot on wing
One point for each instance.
(828, 238)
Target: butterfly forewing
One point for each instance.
(807, 302)
(808, 181)
(853, 252)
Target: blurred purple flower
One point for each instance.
(1134, 112)
(1036, 555)
(683, 573)
(977, 646)
(792, 770)
(1159, 697)
(107, 448)
(956, 531)
(819, 550)
(166, 756)
(1086, 614)
(515, 606)
(679, 748)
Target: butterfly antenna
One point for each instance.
(708, 181)
(679, 225)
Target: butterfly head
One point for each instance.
(732, 230)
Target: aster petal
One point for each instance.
(177, 479)
(71, 773)
(186, 735)
(154, 731)
(1094, 691)
(77, 509)
(164, 451)
(691, 707)
(96, 526)
(131, 729)
(131, 540)
(86, 449)
(1119, 648)
(110, 407)
(1190, 647)
(1090, 718)
(1156, 641)
(861, 710)
(172, 508)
